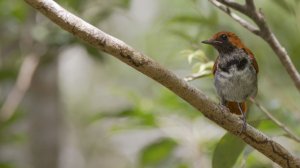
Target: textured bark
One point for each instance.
(152, 69)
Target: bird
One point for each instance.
(235, 72)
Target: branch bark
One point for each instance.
(236, 17)
(152, 69)
(289, 133)
(264, 32)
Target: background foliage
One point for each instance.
(113, 116)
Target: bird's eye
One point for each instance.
(223, 37)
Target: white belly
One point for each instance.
(236, 85)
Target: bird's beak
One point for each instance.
(211, 42)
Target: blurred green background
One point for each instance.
(86, 109)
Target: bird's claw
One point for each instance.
(244, 126)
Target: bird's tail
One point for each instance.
(234, 108)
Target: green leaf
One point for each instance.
(227, 151)
(268, 125)
(137, 116)
(157, 153)
(202, 67)
(198, 55)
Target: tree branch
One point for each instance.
(152, 69)
(197, 75)
(233, 5)
(21, 86)
(289, 133)
(235, 17)
(250, 4)
(264, 32)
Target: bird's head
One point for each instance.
(225, 42)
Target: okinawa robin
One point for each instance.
(235, 72)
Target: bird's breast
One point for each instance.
(237, 71)
(236, 79)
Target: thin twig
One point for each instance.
(202, 74)
(290, 134)
(236, 17)
(154, 70)
(250, 4)
(233, 5)
(20, 88)
(264, 32)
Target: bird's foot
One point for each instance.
(244, 126)
(223, 103)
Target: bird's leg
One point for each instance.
(243, 118)
(223, 102)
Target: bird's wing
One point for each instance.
(215, 65)
(254, 63)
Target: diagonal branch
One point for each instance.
(233, 5)
(289, 133)
(21, 86)
(264, 32)
(152, 69)
(235, 17)
(198, 75)
(250, 4)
